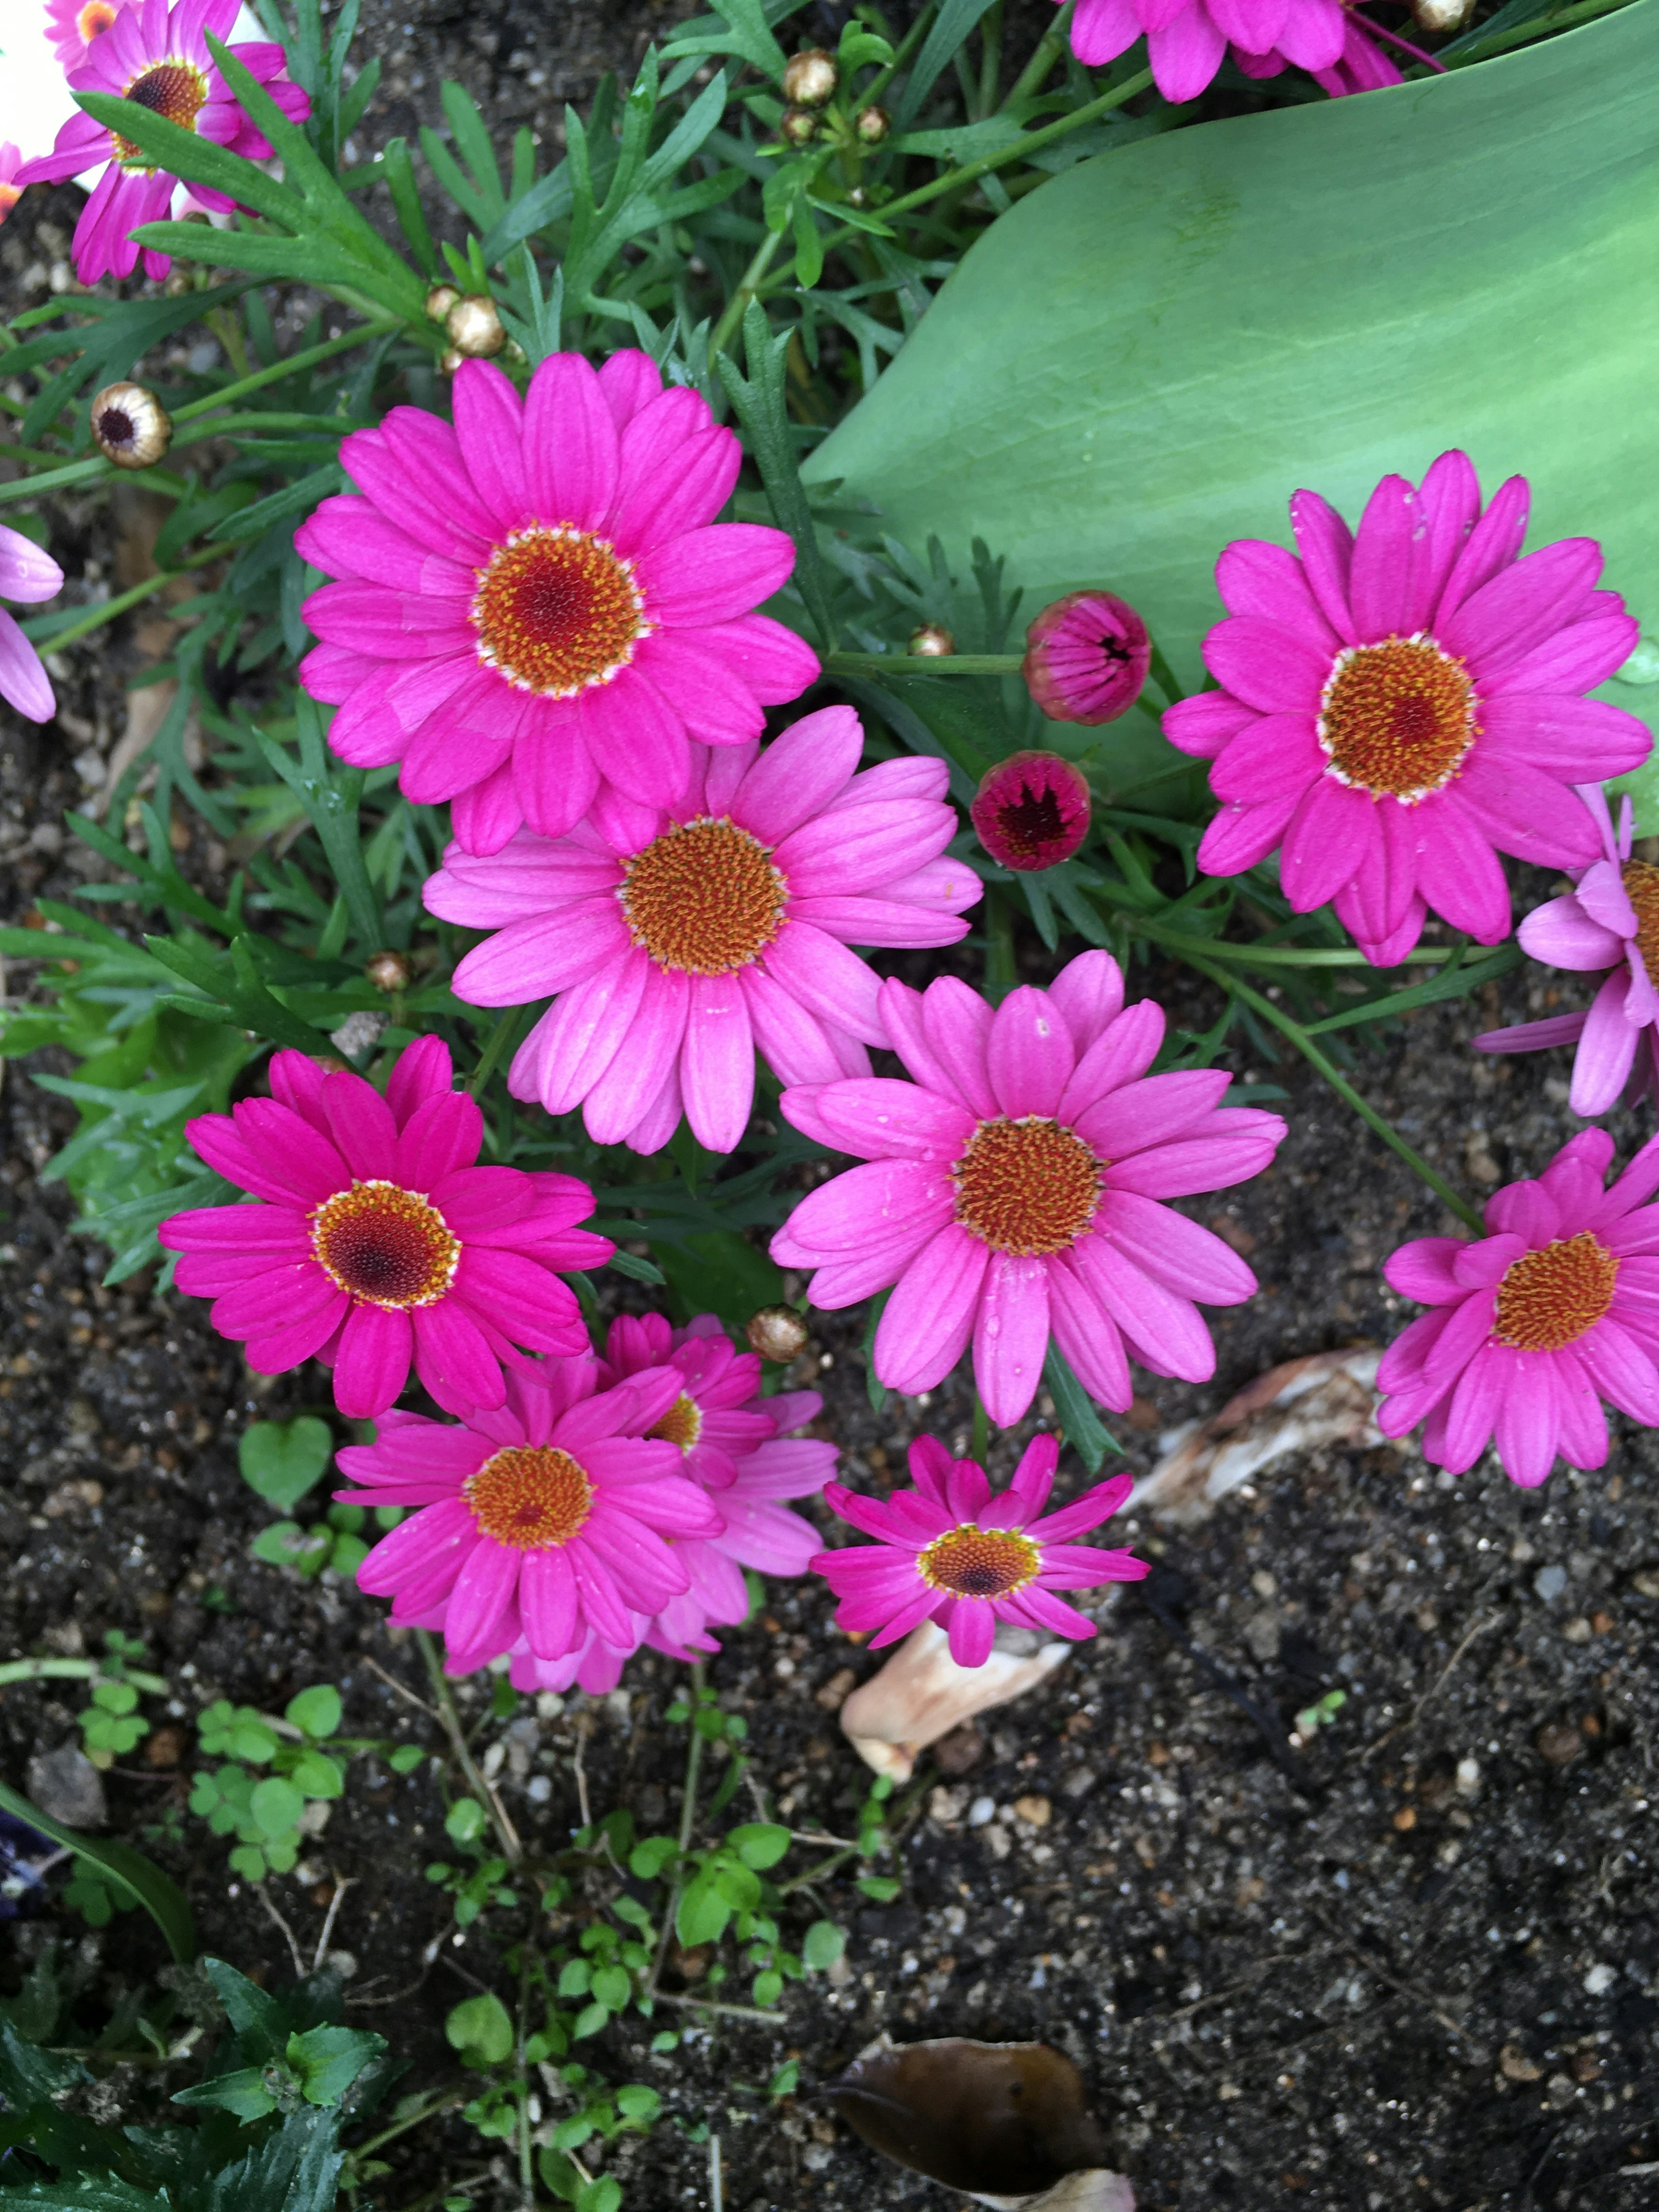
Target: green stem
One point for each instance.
(94, 468)
(1284, 956)
(1304, 1044)
(748, 285)
(902, 53)
(1049, 48)
(79, 1670)
(506, 1835)
(441, 2102)
(901, 1806)
(923, 664)
(688, 1824)
(289, 366)
(1564, 19)
(55, 640)
(1000, 972)
(526, 2170)
(981, 1443)
(507, 1023)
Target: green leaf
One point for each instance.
(703, 1911)
(880, 1888)
(1077, 1419)
(825, 1944)
(603, 2194)
(952, 26)
(481, 2029)
(648, 1858)
(286, 1544)
(576, 1979)
(612, 1988)
(318, 1775)
(282, 1460)
(768, 1987)
(759, 401)
(718, 1271)
(317, 1711)
(636, 2102)
(1150, 353)
(243, 2093)
(258, 2019)
(126, 1871)
(328, 2060)
(465, 1820)
(276, 1805)
(589, 2020)
(760, 1842)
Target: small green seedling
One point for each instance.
(334, 1542)
(1320, 1714)
(283, 1460)
(112, 1724)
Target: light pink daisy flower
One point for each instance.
(1186, 40)
(546, 1518)
(1014, 1190)
(379, 1242)
(954, 1551)
(538, 603)
(157, 55)
(11, 160)
(72, 26)
(1611, 922)
(1534, 1323)
(676, 944)
(1402, 705)
(27, 575)
(735, 1444)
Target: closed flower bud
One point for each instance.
(811, 78)
(1087, 658)
(872, 124)
(1441, 16)
(1032, 811)
(388, 971)
(450, 361)
(474, 326)
(439, 300)
(932, 642)
(131, 426)
(776, 1333)
(799, 126)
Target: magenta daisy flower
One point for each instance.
(27, 575)
(539, 604)
(1360, 66)
(378, 1241)
(546, 1518)
(1013, 1190)
(1533, 1324)
(677, 944)
(1031, 810)
(1087, 658)
(1610, 922)
(72, 25)
(11, 191)
(157, 55)
(953, 1551)
(1403, 704)
(1186, 40)
(735, 1444)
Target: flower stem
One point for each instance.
(289, 366)
(55, 640)
(688, 1823)
(748, 284)
(920, 664)
(506, 1835)
(1304, 1044)
(79, 1670)
(1047, 51)
(981, 1443)
(507, 1023)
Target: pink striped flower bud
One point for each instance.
(1087, 658)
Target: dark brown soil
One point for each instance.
(1419, 1967)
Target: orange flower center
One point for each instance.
(530, 1496)
(10, 196)
(1397, 718)
(1549, 1299)
(703, 897)
(385, 1245)
(1026, 1186)
(97, 15)
(973, 1562)
(557, 611)
(172, 89)
(1641, 882)
(681, 1424)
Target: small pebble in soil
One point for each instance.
(1559, 1742)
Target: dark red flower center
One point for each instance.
(385, 1245)
(1397, 718)
(973, 1562)
(530, 1497)
(1026, 1186)
(1547, 1299)
(681, 1424)
(703, 897)
(1031, 823)
(1641, 882)
(175, 91)
(557, 611)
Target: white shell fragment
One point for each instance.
(1096, 2191)
(921, 1693)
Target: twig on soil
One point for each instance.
(293, 1948)
(709, 2004)
(581, 1772)
(716, 2191)
(403, 1690)
(1403, 1727)
(342, 1883)
(450, 1721)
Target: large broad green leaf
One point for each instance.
(1144, 359)
(122, 1868)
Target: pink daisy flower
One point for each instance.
(378, 1242)
(1611, 922)
(1087, 658)
(11, 160)
(538, 603)
(1031, 810)
(676, 944)
(157, 55)
(28, 576)
(1533, 1324)
(546, 1518)
(953, 1551)
(1360, 66)
(72, 25)
(1186, 39)
(1013, 1190)
(735, 1444)
(1400, 705)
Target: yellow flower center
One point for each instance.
(385, 1245)
(681, 1424)
(1549, 1299)
(175, 91)
(1026, 1186)
(703, 897)
(557, 611)
(1397, 718)
(530, 1497)
(973, 1562)
(1641, 882)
